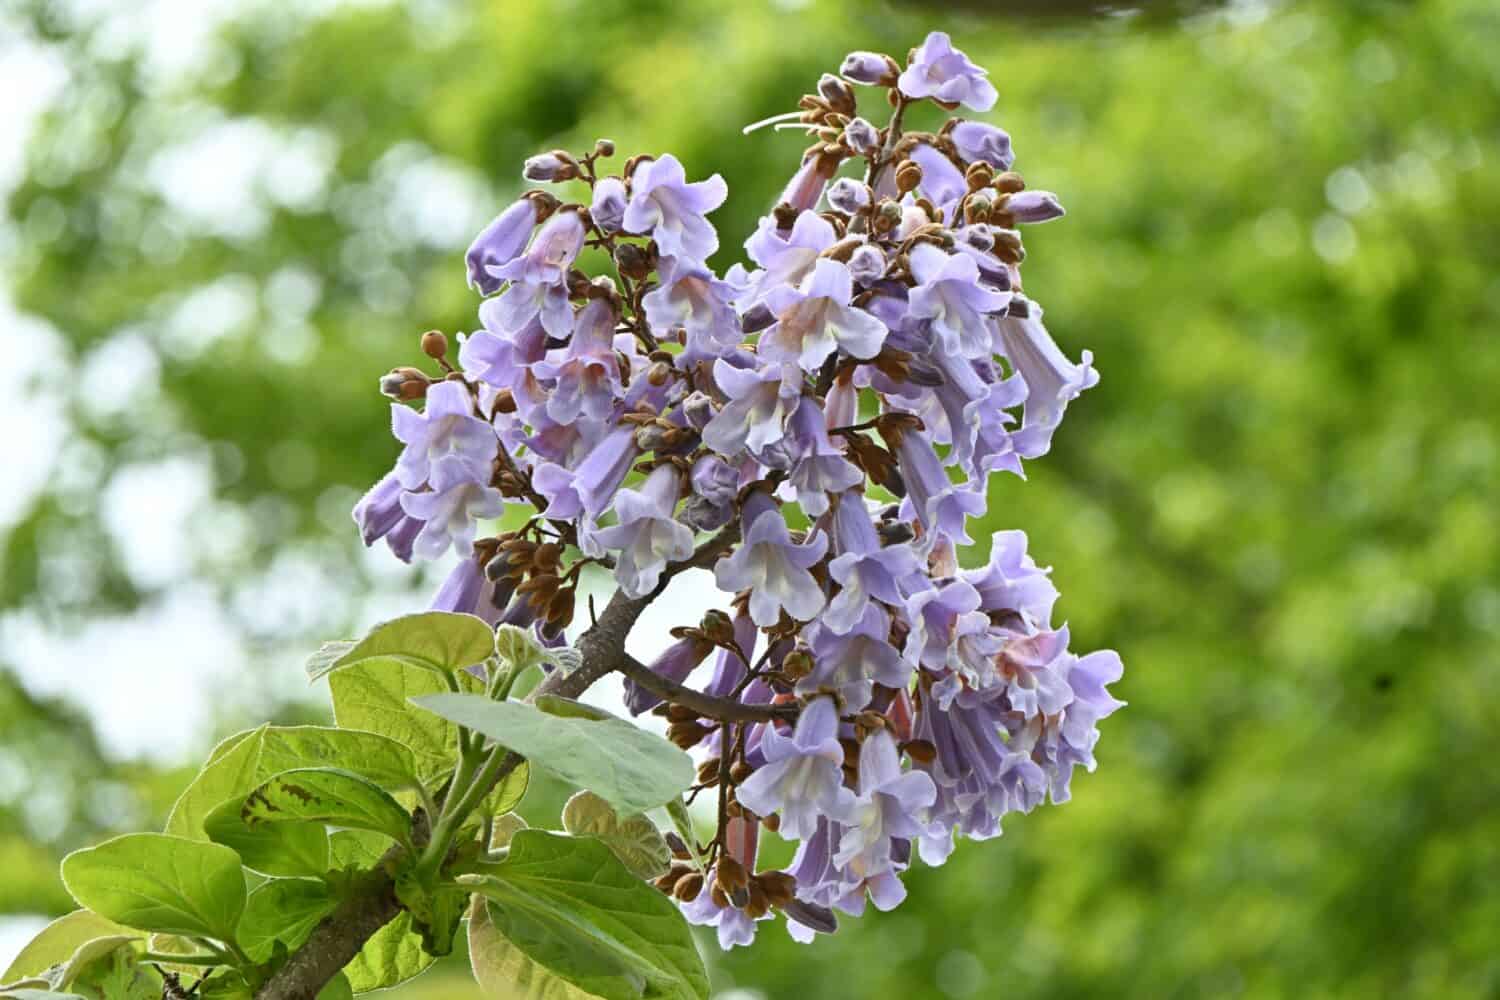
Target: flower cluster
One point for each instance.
(817, 428)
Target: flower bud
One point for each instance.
(434, 344)
(1009, 183)
(978, 175)
(870, 68)
(1034, 206)
(698, 408)
(861, 137)
(608, 205)
(404, 384)
(979, 142)
(557, 165)
(867, 264)
(797, 664)
(848, 195)
(717, 626)
(688, 887)
(708, 772)
(908, 176)
(838, 93)
(740, 771)
(659, 373)
(604, 147)
(731, 876)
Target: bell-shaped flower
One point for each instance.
(1052, 381)
(673, 211)
(772, 566)
(1032, 670)
(379, 514)
(981, 772)
(852, 662)
(454, 500)
(820, 467)
(943, 73)
(815, 319)
(760, 402)
(691, 299)
(863, 568)
(588, 489)
(942, 507)
(803, 776)
(586, 371)
(539, 278)
(500, 243)
(890, 805)
(1012, 582)
(785, 258)
(446, 427)
(942, 182)
(805, 188)
(950, 295)
(674, 663)
(647, 536)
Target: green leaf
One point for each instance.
(517, 649)
(327, 655)
(394, 953)
(440, 641)
(327, 795)
(338, 988)
(630, 768)
(27, 993)
(112, 971)
(635, 840)
(155, 882)
(375, 696)
(504, 972)
(573, 908)
(504, 828)
(58, 941)
(244, 762)
(284, 910)
(283, 849)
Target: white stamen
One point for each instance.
(766, 121)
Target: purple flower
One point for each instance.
(863, 569)
(672, 210)
(1031, 672)
(803, 776)
(760, 401)
(888, 807)
(587, 371)
(467, 591)
(1012, 582)
(674, 663)
(816, 319)
(447, 427)
(869, 68)
(867, 264)
(500, 243)
(773, 567)
(820, 467)
(980, 775)
(785, 260)
(950, 295)
(945, 74)
(853, 661)
(538, 278)
(940, 506)
(942, 182)
(647, 536)
(715, 480)
(980, 142)
(379, 515)
(734, 926)
(449, 508)
(1034, 206)
(862, 137)
(588, 489)
(1051, 379)
(608, 205)
(806, 186)
(848, 195)
(692, 299)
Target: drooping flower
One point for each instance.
(760, 402)
(951, 296)
(864, 569)
(379, 514)
(446, 427)
(587, 490)
(674, 663)
(889, 806)
(820, 467)
(942, 506)
(587, 371)
(785, 258)
(1012, 582)
(852, 661)
(499, 243)
(945, 74)
(1052, 381)
(648, 535)
(772, 566)
(690, 298)
(802, 778)
(454, 500)
(538, 278)
(673, 211)
(980, 142)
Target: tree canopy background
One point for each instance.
(1279, 505)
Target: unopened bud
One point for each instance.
(978, 175)
(434, 344)
(908, 176)
(557, 165)
(920, 751)
(797, 664)
(708, 772)
(698, 408)
(870, 68)
(604, 147)
(731, 876)
(1010, 182)
(659, 373)
(404, 384)
(837, 93)
(505, 401)
(717, 627)
(861, 137)
(688, 887)
(740, 771)
(867, 264)
(632, 261)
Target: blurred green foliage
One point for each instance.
(1279, 505)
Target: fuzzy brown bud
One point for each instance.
(604, 147)
(686, 734)
(920, 751)
(1010, 182)
(404, 384)
(708, 772)
(434, 344)
(797, 664)
(632, 261)
(908, 176)
(688, 887)
(740, 771)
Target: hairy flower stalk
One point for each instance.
(913, 701)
